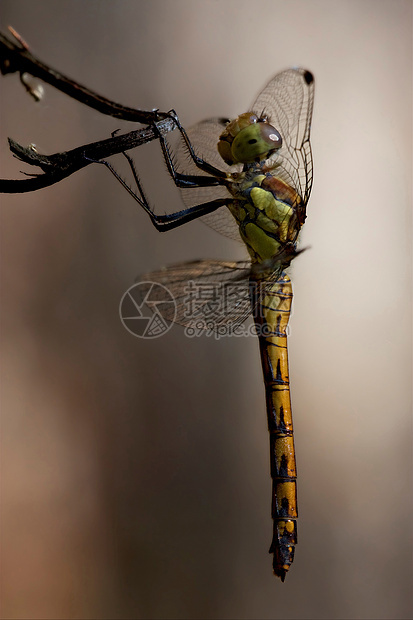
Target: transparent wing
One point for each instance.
(204, 138)
(288, 102)
(210, 294)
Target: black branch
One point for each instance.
(15, 57)
(59, 166)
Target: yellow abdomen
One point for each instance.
(271, 318)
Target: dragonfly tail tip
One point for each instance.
(281, 573)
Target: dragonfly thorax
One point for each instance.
(247, 139)
(266, 210)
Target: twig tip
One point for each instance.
(18, 37)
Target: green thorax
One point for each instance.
(266, 210)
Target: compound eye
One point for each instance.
(271, 135)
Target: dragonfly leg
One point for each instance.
(169, 220)
(198, 161)
(217, 177)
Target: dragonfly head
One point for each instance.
(248, 138)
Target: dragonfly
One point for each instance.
(249, 178)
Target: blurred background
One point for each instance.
(135, 473)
